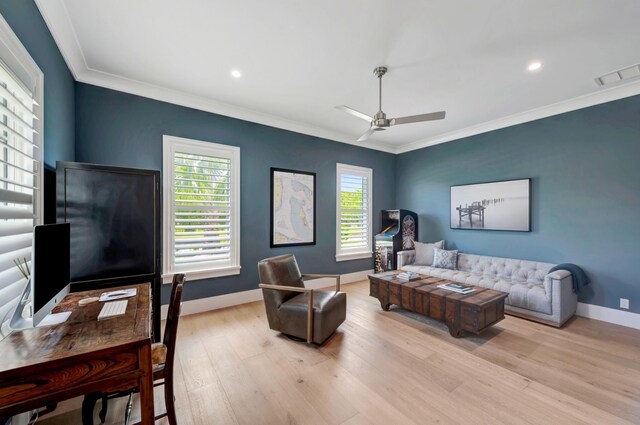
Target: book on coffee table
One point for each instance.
(408, 276)
(457, 287)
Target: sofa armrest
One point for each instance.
(405, 258)
(562, 294)
(558, 274)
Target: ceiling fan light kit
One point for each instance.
(379, 121)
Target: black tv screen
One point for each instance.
(113, 215)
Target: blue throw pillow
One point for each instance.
(444, 259)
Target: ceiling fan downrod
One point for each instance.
(380, 118)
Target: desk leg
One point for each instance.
(146, 386)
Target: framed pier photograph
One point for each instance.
(500, 205)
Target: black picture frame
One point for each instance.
(274, 241)
(484, 203)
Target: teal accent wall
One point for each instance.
(121, 129)
(26, 22)
(585, 170)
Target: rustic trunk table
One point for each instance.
(473, 312)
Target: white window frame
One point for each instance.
(171, 144)
(25, 69)
(367, 252)
(16, 56)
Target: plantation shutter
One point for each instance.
(19, 184)
(354, 206)
(202, 211)
(202, 197)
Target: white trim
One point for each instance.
(169, 146)
(227, 300)
(56, 16)
(176, 97)
(591, 99)
(354, 256)
(341, 254)
(11, 43)
(57, 19)
(611, 315)
(204, 274)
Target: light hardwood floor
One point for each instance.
(399, 368)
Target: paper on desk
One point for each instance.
(119, 294)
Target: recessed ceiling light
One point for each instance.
(236, 74)
(534, 66)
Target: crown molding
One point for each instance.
(591, 99)
(151, 91)
(56, 16)
(57, 19)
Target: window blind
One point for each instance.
(203, 213)
(354, 210)
(19, 179)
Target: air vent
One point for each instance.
(624, 74)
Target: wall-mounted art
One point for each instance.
(293, 208)
(501, 205)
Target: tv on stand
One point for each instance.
(115, 218)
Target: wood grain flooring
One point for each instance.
(399, 368)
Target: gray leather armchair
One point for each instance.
(295, 310)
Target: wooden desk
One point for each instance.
(80, 356)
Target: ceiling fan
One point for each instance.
(379, 121)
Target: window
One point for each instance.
(353, 212)
(21, 83)
(201, 208)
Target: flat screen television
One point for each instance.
(115, 225)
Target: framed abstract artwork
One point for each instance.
(293, 208)
(500, 205)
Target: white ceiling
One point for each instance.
(299, 59)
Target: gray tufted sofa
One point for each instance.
(534, 293)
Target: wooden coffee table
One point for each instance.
(472, 312)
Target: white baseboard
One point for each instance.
(619, 317)
(221, 301)
(611, 315)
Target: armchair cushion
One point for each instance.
(281, 270)
(329, 309)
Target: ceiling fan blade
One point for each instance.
(367, 134)
(355, 113)
(419, 118)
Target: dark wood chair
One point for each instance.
(163, 357)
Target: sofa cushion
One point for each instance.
(506, 268)
(445, 259)
(525, 295)
(424, 252)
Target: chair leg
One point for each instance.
(127, 412)
(169, 401)
(103, 410)
(88, 405)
